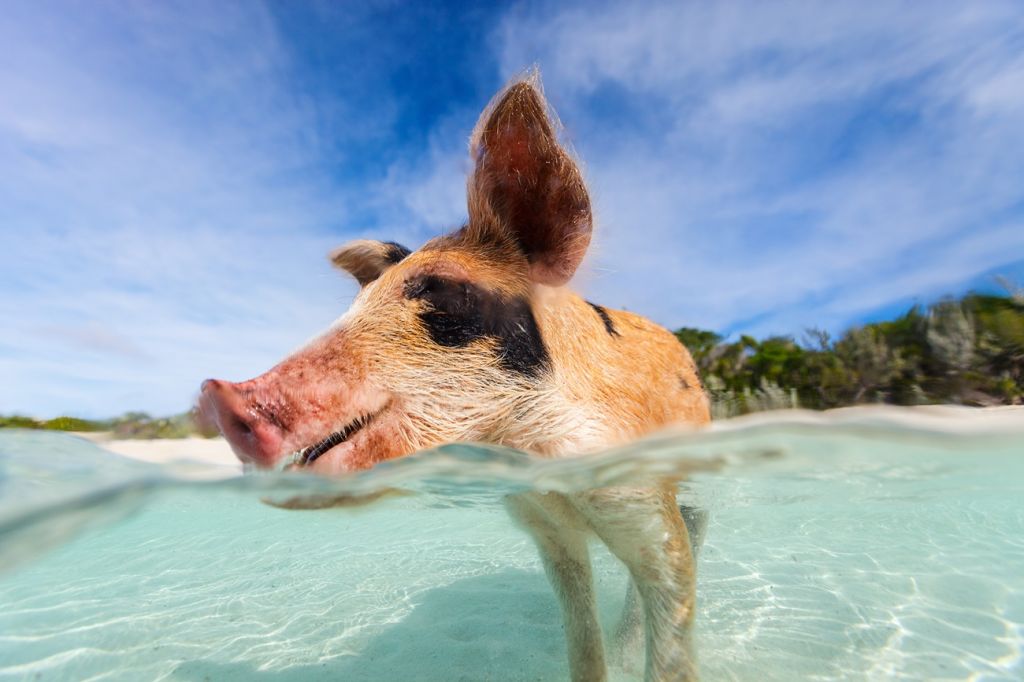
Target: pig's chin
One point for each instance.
(332, 454)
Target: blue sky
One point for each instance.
(173, 174)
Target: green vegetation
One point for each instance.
(56, 424)
(141, 425)
(968, 351)
(130, 425)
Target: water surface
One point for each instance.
(858, 545)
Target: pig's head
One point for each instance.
(441, 344)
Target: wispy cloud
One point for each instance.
(172, 175)
(765, 162)
(158, 178)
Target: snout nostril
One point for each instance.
(242, 427)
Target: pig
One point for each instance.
(474, 337)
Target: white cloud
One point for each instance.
(787, 162)
(159, 195)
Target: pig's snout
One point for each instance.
(253, 437)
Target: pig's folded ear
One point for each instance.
(366, 259)
(525, 186)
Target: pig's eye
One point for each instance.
(457, 313)
(443, 295)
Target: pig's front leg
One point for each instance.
(643, 528)
(629, 636)
(556, 528)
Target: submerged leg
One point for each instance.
(553, 523)
(629, 635)
(644, 529)
(628, 641)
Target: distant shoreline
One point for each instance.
(217, 452)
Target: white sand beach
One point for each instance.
(207, 451)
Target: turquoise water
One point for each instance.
(861, 545)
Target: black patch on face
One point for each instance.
(609, 326)
(458, 313)
(395, 252)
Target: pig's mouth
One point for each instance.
(308, 455)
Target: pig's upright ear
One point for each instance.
(526, 187)
(366, 259)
